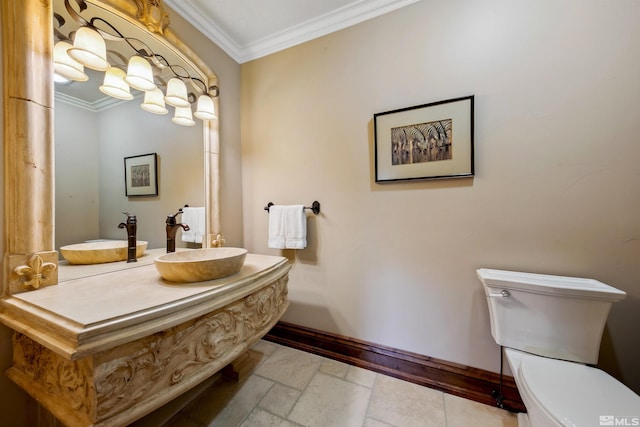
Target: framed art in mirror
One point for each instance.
(429, 141)
(141, 175)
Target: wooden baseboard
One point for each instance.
(464, 381)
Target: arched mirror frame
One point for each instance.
(30, 261)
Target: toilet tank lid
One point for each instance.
(549, 284)
(575, 394)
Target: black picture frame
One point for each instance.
(141, 175)
(428, 141)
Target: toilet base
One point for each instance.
(523, 420)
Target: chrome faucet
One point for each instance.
(131, 226)
(172, 228)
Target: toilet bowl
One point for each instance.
(551, 327)
(561, 393)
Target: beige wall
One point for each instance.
(557, 182)
(77, 174)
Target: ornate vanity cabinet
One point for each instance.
(110, 348)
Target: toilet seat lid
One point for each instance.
(575, 394)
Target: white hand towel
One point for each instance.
(276, 227)
(295, 227)
(195, 219)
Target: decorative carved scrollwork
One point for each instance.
(57, 376)
(152, 14)
(168, 358)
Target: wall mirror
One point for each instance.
(28, 28)
(94, 132)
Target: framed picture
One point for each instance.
(141, 175)
(430, 141)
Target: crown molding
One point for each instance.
(354, 13)
(96, 106)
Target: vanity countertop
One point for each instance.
(83, 315)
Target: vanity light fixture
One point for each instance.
(66, 66)
(183, 116)
(89, 50)
(58, 79)
(140, 74)
(154, 102)
(177, 93)
(205, 109)
(115, 85)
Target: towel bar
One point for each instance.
(315, 207)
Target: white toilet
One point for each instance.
(551, 327)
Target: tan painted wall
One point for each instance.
(77, 191)
(556, 191)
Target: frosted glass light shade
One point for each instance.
(139, 74)
(57, 78)
(89, 49)
(176, 93)
(114, 84)
(154, 102)
(183, 116)
(66, 66)
(205, 109)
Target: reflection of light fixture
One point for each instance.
(176, 93)
(154, 102)
(205, 109)
(65, 66)
(114, 84)
(183, 116)
(139, 74)
(58, 79)
(89, 49)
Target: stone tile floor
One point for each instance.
(291, 388)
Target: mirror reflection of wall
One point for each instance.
(90, 184)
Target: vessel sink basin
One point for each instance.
(200, 264)
(100, 252)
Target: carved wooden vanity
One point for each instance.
(107, 349)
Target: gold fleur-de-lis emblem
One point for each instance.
(35, 273)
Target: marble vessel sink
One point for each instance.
(200, 264)
(100, 252)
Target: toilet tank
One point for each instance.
(552, 316)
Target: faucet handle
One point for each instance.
(218, 241)
(175, 214)
(131, 218)
(171, 219)
(131, 221)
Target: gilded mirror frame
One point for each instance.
(30, 260)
